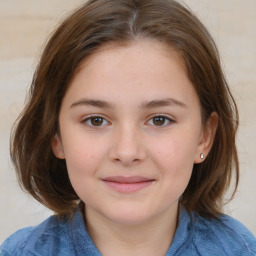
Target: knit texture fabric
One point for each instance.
(194, 236)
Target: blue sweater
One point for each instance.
(193, 237)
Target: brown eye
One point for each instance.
(159, 120)
(95, 121)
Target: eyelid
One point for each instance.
(162, 115)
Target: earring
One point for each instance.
(202, 156)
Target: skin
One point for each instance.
(129, 141)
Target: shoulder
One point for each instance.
(49, 236)
(224, 234)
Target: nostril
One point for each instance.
(127, 148)
(126, 160)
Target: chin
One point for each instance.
(128, 216)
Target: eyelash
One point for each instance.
(90, 118)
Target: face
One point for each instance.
(131, 131)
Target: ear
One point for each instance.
(206, 138)
(57, 147)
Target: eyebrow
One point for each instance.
(144, 105)
(163, 103)
(92, 103)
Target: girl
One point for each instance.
(129, 137)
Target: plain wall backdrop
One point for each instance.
(24, 28)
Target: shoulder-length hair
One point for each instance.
(91, 26)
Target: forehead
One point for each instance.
(136, 69)
(142, 48)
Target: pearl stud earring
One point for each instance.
(202, 156)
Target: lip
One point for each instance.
(127, 184)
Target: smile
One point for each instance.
(127, 184)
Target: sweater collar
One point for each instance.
(83, 244)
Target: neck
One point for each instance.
(152, 237)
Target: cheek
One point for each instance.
(175, 163)
(83, 158)
(167, 152)
(174, 157)
(83, 164)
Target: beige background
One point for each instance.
(24, 28)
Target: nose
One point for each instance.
(127, 147)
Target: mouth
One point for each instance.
(127, 184)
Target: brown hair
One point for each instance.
(94, 24)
